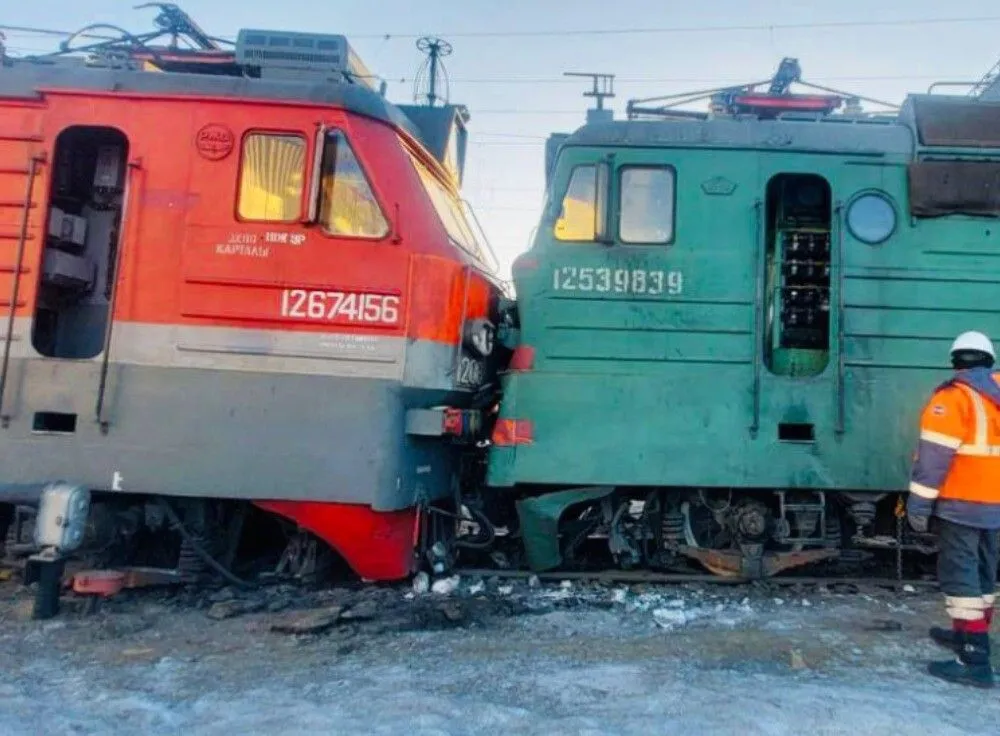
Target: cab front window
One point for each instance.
(347, 207)
(577, 217)
(646, 205)
(448, 209)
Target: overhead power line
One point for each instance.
(515, 144)
(31, 31)
(633, 31)
(628, 80)
(523, 136)
(695, 29)
(522, 111)
(685, 80)
(692, 80)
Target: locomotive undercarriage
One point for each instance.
(746, 534)
(155, 540)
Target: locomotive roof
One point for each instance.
(30, 80)
(924, 122)
(822, 136)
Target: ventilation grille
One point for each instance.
(304, 51)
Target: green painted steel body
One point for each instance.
(674, 388)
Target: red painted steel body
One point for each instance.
(190, 204)
(188, 261)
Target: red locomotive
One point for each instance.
(239, 275)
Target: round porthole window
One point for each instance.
(871, 218)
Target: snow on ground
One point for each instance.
(544, 659)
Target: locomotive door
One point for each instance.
(81, 259)
(797, 357)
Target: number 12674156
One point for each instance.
(337, 306)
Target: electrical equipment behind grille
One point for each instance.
(800, 290)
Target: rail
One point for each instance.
(653, 578)
(102, 385)
(22, 239)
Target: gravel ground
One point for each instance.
(487, 655)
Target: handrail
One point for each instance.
(493, 262)
(22, 239)
(113, 299)
(841, 408)
(758, 310)
(457, 354)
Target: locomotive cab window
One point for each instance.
(448, 209)
(578, 214)
(348, 207)
(272, 176)
(646, 205)
(84, 221)
(797, 282)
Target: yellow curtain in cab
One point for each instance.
(348, 206)
(577, 221)
(272, 177)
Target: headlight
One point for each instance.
(480, 335)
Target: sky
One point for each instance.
(509, 57)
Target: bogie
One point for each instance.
(728, 532)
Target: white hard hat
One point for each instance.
(973, 341)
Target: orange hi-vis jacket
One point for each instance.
(956, 469)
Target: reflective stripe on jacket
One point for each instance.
(956, 469)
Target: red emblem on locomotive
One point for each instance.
(214, 141)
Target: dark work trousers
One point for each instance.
(967, 560)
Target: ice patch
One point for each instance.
(421, 583)
(668, 618)
(446, 586)
(477, 587)
(675, 614)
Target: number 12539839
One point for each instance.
(618, 280)
(337, 306)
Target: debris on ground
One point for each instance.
(230, 608)
(364, 610)
(307, 622)
(479, 655)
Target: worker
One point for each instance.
(956, 479)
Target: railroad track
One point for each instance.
(640, 576)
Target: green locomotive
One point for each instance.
(729, 321)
